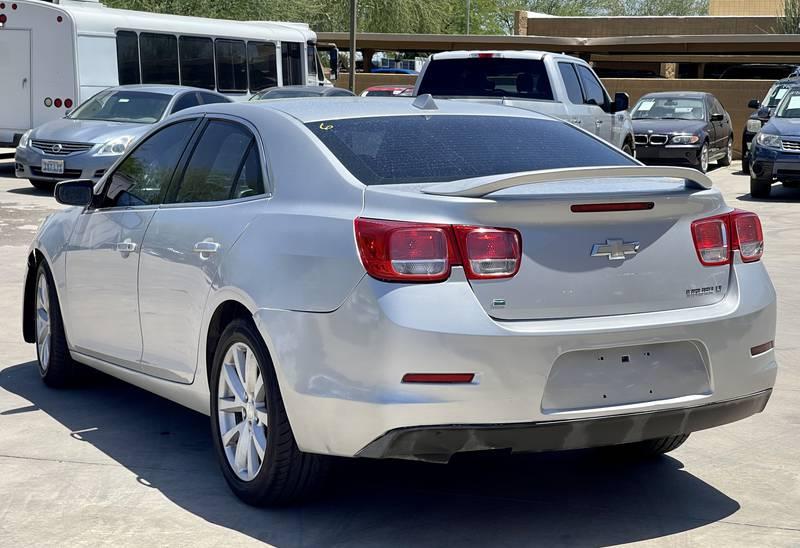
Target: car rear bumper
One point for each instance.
(439, 443)
(83, 165)
(668, 154)
(341, 372)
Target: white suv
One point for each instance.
(559, 85)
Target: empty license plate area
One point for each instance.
(588, 379)
(53, 166)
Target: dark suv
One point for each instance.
(763, 112)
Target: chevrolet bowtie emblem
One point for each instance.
(615, 250)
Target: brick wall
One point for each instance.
(745, 7)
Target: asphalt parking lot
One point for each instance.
(109, 464)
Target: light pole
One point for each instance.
(353, 23)
(468, 16)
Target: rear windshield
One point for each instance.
(440, 148)
(487, 77)
(143, 107)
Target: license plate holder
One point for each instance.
(55, 167)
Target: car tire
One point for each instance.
(728, 158)
(627, 149)
(285, 474)
(701, 164)
(56, 367)
(760, 188)
(745, 165)
(648, 449)
(43, 185)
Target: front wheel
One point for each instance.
(250, 428)
(728, 158)
(55, 363)
(627, 149)
(702, 159)
(760, 188)
(746, 165)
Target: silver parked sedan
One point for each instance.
(89, 140)
(404, 278)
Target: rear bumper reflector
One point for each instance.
(439, 443)
(761, 348)
(438, 378)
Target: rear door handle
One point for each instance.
(125, 247)
(206, 248)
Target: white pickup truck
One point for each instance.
(558, 85)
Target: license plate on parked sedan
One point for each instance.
(53, 166)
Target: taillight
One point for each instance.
(423, 252)
(68, 103)
(489, 252)
(711, 240)
(747, 235)
(397, 251)
(716, 238)
(57, 103)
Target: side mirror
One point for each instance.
(717, 117)
(753, 103)
(621, 102)
(78, 192)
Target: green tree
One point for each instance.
(657, 7)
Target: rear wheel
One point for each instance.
(252, 436)
(760, 188)
(43, 185)
(728, 158)
(649, 448)
(745, 165)
(55, 364)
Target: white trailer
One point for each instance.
(55, 55)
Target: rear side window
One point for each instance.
(262, 64)
(593, 89)
(231, 65)
(128, 57)
(440, 148)
(142, 177)
(214, 171)
(159, 58)
(292, 63)
(571, 82)
(185, 101)
(487, 77)
(197, 62)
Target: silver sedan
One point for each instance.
(404, 278)
(86, 142)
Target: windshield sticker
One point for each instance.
(794, 103)
(683, 109)
(325, 127)
(646, 105)
(780, 93)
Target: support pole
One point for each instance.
(468, 10)
(353, 23)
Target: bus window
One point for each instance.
(262, 64)
(159, 53)
(231, 66)
(292, 61)
(313, 65)
(197, 62)
(128, 57)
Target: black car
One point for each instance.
(762, 113)
(682, 127)
(291, 92)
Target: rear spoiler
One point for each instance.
(475, 188)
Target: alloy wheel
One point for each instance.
(242, 411)
(704, 159)
(43, 321)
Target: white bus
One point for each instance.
(53, 56)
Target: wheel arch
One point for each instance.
(224, 313)
(35, 258)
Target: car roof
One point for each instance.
(685, 94)
(313, 109)
(165, 89)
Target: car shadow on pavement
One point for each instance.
(779, 194)
(573, 498)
